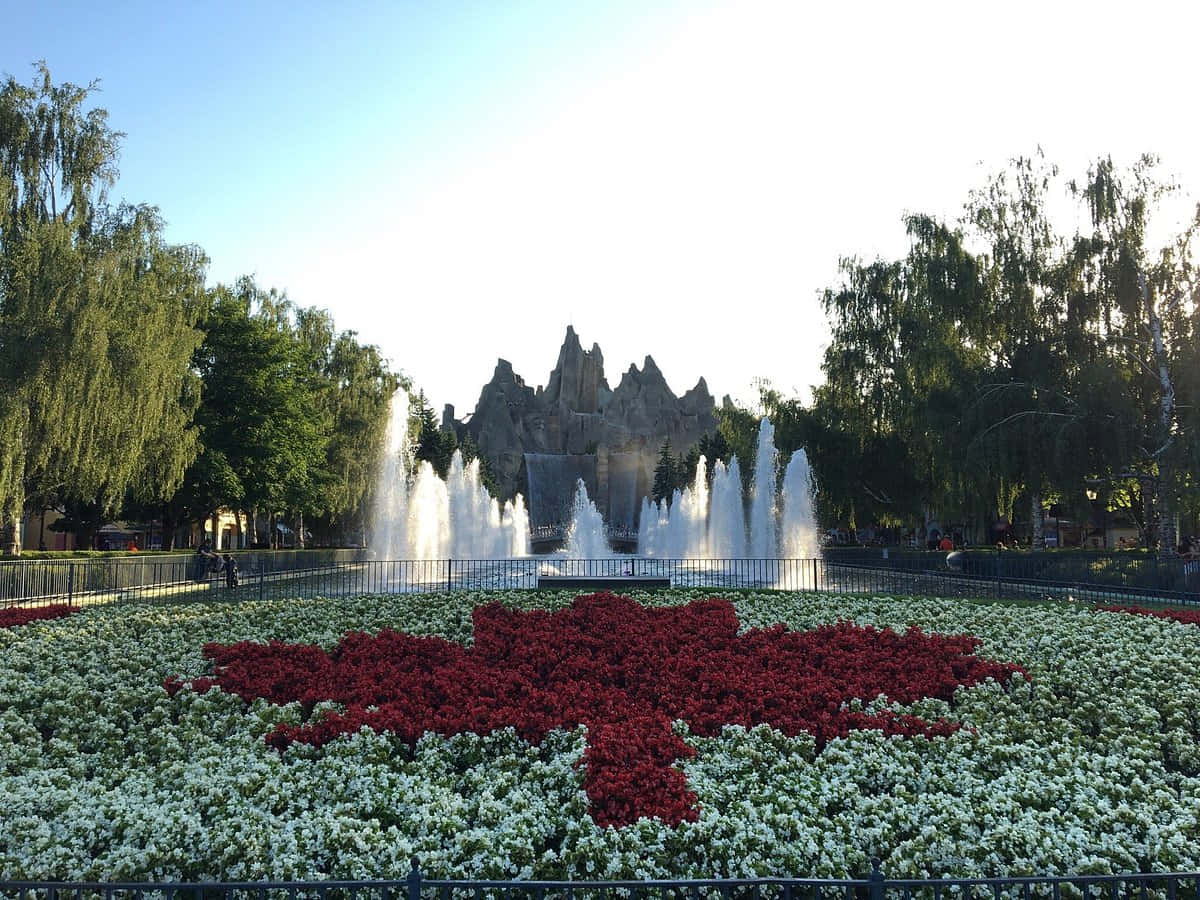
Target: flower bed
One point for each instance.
(1089, 765)
(625, 671)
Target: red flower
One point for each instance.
(623, 670)
(1186, 616)
(22, 616)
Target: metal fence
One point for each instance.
(40, 581)
(1131, 572)
(277, 575)
(1167, 886)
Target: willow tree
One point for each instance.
(352, 389)
(904, 357)
(1146, 302)
(97, 316)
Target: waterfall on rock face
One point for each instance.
(727, 522)
(799, 525)
(763, 543)
(391, 494)
(552, 478)
(623, 497)
(586, 538)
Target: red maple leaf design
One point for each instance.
(625, 671)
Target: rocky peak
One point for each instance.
(647, 382)
(697, 401)
(577, 382)
(577, 413)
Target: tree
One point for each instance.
(905, 357)
(353, 388)
(959, 380)
(666, 474)
(1145, 301)
(97, 317)
(435, 445)
(265, 434)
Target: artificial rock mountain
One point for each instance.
(539, 441)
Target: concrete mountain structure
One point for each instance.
(538, 442)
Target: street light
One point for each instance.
(1092, 494)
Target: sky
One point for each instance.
(459, 181)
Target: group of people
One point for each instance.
(207, 560)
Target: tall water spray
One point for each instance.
(718, 522)
(423, 516)
(391, 496)
(678, 529)
(727, 525)
(799, 528)
(586, 538)
(763, 542)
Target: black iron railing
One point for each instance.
(342, 573)
(876, 886)
(1130, 571)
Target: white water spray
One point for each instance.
(763, 541)
(422, 516)
(719, 523)
(586, 538)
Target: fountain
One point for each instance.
(586, 537)
(703, 522)
(421, 516)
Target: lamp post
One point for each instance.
(1093, 493)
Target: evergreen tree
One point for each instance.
(666, 474)
(433, 445)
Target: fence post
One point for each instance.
(876, 879)
(448, 563)
(262, 578)
(70, 581)
(414, 880)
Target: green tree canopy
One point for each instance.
(97, 316)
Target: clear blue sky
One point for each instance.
(459, 181)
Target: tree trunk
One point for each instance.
(168, 528)
(300, 531)
(10, 525)
(1037, 522)
(1165, 485)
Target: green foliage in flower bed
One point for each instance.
(1094, 766)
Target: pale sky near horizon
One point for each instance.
(460, 181)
